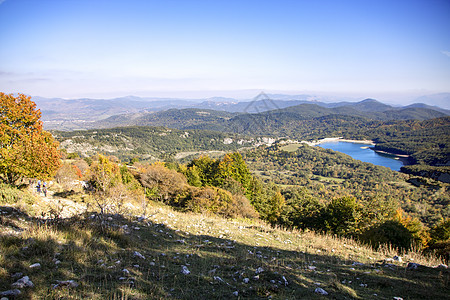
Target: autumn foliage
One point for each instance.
(26, 150)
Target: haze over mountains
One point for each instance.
(212, 113)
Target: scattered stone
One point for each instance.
(136, 266)
(441, 266)
(285, 281)
(320, 291)
(259, 270)
(355, 263)
(246, 280)
(236, 293)
(312, 268)
(65, 283)
(139, 255)
(397, 258)
(10, 293)
(17, 275)
(57, 262)
(398, 298)
(35, 266)
(212, 272)
(152, 263)
(126, 272)
(412, 266)
(23, 283)
(185, 270)
(217, 278)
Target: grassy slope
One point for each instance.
(220, 254)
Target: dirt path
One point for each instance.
(61, 207)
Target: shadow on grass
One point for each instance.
(115, 257)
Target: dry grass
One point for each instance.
(223, 257)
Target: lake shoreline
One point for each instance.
(338, 139)
(404, 160)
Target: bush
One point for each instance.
(389, 232)
(11, 195)
(441, 231)
(301, 210)
(440, 240)
(163, 184)
(341, 216)
(112, 185)
(241, 207)
(216, 201)
(440, 249)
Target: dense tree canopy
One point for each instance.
(26, 150)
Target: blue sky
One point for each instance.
(95, 48)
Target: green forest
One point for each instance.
(425, 143)
(147, 143)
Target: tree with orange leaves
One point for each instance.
(26, 150)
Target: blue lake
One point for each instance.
(361, 152)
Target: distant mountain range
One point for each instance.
(213, 113)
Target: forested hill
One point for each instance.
(74, 114)
(212, 119)
(172, 118)
(427, 143)
(416, 132)
(150, 142)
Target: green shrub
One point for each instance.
(11, 195)
(389, 232)
(440, 249)
(341, 216)
(302, 210)
(216, 201)
(441, 231)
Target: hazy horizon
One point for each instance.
(248, 96)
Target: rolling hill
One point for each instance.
(74, 114)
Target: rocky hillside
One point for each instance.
(154, 252)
